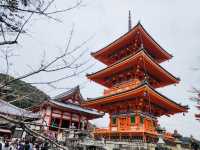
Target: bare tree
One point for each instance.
(196, 99)
(65, 61)
(14, 16)
(21, 12)
(26, 127)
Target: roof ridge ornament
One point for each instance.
(129, 21)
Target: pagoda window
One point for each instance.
(126, 50)
(132, 119)
(114, 120)
(121, 77)
(141, 119)
(128, 75)
(54, 124)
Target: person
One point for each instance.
(20, 146)
(1, 143)
(45, 146)
(26, 146)
(30, 146)
(37, 146)
(11, 147)
(6, 146)
(15, 144)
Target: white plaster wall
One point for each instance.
(56, 115)
(48, 110)
(66, 117)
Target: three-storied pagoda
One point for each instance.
(132, 74)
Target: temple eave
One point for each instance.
(154, 96)
(102, 53)
(147, 64)
(87, 112)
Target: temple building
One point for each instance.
(7, 129)
(64, 111)
(131, 77)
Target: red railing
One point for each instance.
(131, 129)
(122, 87)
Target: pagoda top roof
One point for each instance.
(152, 47)
(151, 67)
(155, 97)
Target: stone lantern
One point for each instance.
(161, 142)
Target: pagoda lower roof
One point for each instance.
(149, 65)
(74, 108)
(129, 95)
(149, 43)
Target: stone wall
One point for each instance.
(136, 146)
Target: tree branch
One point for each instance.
(23, 125)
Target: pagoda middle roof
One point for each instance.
(153, 48)
(149, 66)
(155, 97)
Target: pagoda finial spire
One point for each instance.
(129, 21)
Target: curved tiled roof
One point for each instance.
(144, 84)
(129, 58)
(75, 107)
(7, 108)
(129, 35)
(69, 93)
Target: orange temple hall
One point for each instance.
(132, 74)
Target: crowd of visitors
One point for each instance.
(23, 145)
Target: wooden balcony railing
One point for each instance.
(122, 87)
(131, 129)
(168, 135)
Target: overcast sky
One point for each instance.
(175, 25)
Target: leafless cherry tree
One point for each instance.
(14, 16)
(196, 99)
